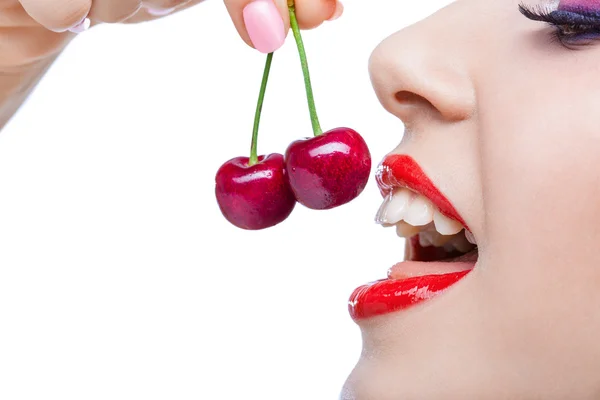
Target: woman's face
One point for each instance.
(505, 121)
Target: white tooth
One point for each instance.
(420, 212)
(445, 225)
(439, 240)
(424, 239)
(470, 237)
(379, 217)
(405, 230)
(396, 206)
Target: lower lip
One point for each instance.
(390, 295)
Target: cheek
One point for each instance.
(541, 173)
(540, 146)
(541, 185)
(539, 139)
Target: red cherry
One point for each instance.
(254, 197)
(328, 170)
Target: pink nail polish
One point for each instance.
(159, 12)
(264, 25)
(82, 26)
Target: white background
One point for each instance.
(120, 279)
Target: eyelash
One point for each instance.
(573, 28)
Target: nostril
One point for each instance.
(412, 104)
(412, 99)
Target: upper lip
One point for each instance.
(400, 170)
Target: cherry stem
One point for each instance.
(259, 104)
(314, 119)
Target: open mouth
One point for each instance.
(440, 249)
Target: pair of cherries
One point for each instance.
(322, 172)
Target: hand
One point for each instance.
(264, 24)
(78, 15)
(39, 29)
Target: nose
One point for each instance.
(419, 73)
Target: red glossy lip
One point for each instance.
(400, 170)
(389, 295)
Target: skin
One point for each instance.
(504, 120)
(34, 32)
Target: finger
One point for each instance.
(263, 24)
(312, 13)
(160, 8)
(148, 15)
(12, 15)
(112, 11)
(268, 21)
(57, 15)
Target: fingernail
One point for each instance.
(159, 12)
(82, 26)
(339, 10)
(264, 25)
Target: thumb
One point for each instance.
(263, 24)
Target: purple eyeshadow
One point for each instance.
(579, 5)
(576, 22)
